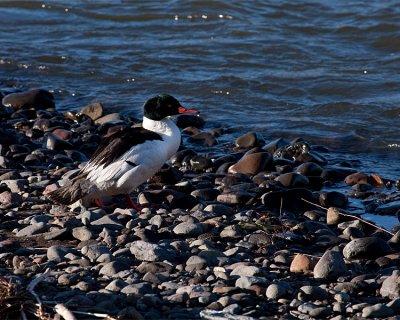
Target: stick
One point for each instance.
(351, 216)
(64, 312)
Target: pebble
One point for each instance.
(31, 230)
(145, 251)
(368, 247)
(391, 286)
(112, 268)
(252, 164)
(56, 253)
(331, 265)
(378, 310)
(278, 290)
(188, 228)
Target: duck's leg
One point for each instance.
(99, 202)
(132, 204)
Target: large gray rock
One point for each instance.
(278, 290)
(391, 286)
(56, 253)
(31, 230)
(146, 251)
(331, 265)
(378, 310)
(112, 268)
(366, 248)
(188, 228)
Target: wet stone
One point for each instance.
(331, 265)
(31, 230)
(94, 110)
(369, 247)
(36, 98)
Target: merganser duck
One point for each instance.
(127, 158)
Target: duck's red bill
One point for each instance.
(183, 110)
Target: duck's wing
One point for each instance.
(117, 153)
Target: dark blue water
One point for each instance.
(324, 70)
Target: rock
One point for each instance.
(246, 282)
(36, 98)
(199, 163)
(333, 199)
(234, 198)
(278, 290)
(94, 110)
(301, 264)
(195, 263)
(243, 270)
(137, 289)
(52, 142)
(252, 164)
(116, 285)
(313, 293)
(356, 178)
(62, 134)
(208, 314)
(391, 286)
(248, 140)
(188, 228)
(109, 118)
(185, 120)
(206, 194)
(333, 216)
(378, 310)
(112, 268)
(15, 186)
(203, 138)
(82, 233)
(94, 251)
(309, 169)
(314, 311)
(219, 209)
(31, 230)
(330, 266)
(9, 199)
(292, 180)
(109, 222)
(145, 251)
(56, 253)
(369, 248)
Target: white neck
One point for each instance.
(169, 131)
(164, 127)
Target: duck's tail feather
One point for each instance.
(79, 188)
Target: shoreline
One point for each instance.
(239, 235)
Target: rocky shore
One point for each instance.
(250, 229)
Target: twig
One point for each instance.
(94, 314)
(280, 209)
(351, 216)
(64, 312)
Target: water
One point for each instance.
(324, 70)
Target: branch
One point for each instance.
(351, 216)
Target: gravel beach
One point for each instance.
(240, 230)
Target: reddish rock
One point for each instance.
(62, 134)
(302, 264)
(252, 163)
(94, 110)
(355, 178)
